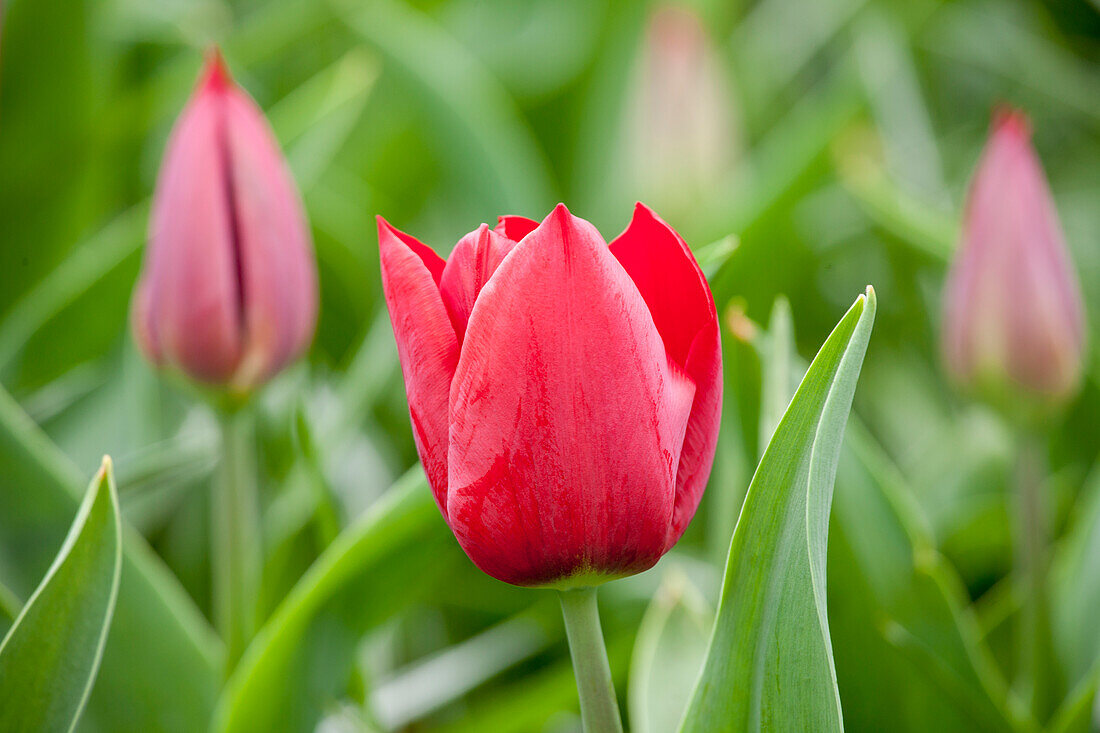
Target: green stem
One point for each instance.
(235, 528)
(599, 708)
(1037, 673)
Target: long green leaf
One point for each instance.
(473, 117)
(906, 649)
(49, 659)
(770, 662)
(158, 633)
(670, 648)
(302, 659)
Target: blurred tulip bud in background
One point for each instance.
(683, 135)
(1014, 324)
(228, 291)
(564, 395)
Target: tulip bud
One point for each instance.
(682, 129)
(564, 394)
(1014, 325)
(228, 291)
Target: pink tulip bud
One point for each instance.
(228, 293)
(564, 395)
(683, 135)
(1013, 319)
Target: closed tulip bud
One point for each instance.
(564, 394)
(1014, 327)
(683, 135)
(228, 293)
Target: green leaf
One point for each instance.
(158, 633)
(906, 648)
(670, 648)
(1076, 713)
(770, 662)
(9, 608)
(49, 658)
(1075, 592)
(301, 661)
(473, 118)
(778, 378)
(1076, 586)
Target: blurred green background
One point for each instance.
(804, 149)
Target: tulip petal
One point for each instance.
(191, 263)
(142, 323)
(471, 264)
(426, 345)
(515, 227)
(567, 417)
(274, 247)
(675, 290)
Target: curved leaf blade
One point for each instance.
(302, 659)
(906, 646)
(49, 659)
(159, 634)
(668, 652)
(770, 663)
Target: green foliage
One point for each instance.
(853, 129)
(157, 632)
(49, 658)
(303, 657)
(668, 653)
(770, 661)
(903, 628)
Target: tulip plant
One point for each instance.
(227, 298)
(565, 397)
(543, 478)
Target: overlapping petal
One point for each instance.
(274, 249)
(515, 227)
(191, 264)
(426, 343)
(675, 290)
(472, 262)
(567, 416)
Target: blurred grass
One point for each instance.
(854, 125)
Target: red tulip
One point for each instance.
(1013, 318)
(564, 394)
(228, 294)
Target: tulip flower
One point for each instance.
(1014, 323)
(228, 294)
(564, 394)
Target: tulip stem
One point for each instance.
(1035, 642)
(599, 708)
(235, 532)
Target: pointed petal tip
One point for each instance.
(388, 232)
(560, 213)
(215, 73)
(1011, 120)
(389, 236)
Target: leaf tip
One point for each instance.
(870, 298)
